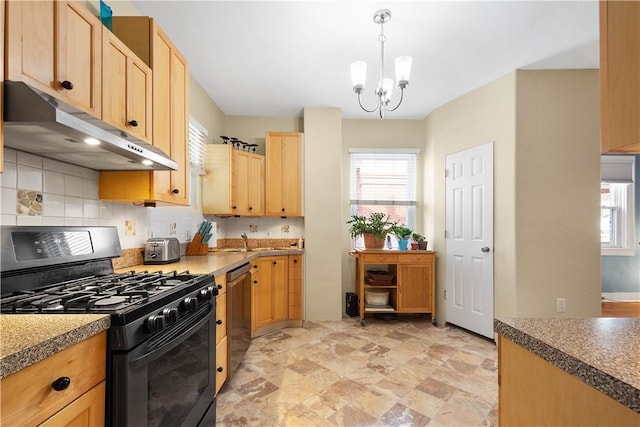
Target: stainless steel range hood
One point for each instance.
(37, 123)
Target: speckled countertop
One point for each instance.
(218, 262)
(28, 338)
(602, 352)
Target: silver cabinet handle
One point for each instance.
(485, 249)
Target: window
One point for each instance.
(617, 207)
(384, 181)
(197, 135)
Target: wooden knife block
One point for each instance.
(196, 247)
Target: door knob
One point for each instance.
(485, 249)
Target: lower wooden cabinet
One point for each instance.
(222, 372)
(28, 397)
(221, 332)
(276, 293)
(295, 287)
(87, 410)
(413, 286)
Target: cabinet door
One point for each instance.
(79, 56)
(283, 174)
(180, 128)
(255, 184)
(30, 43)
(295, 287)
(86, 411)
(269, 295)
(415, 293)
(619, 76)
(127, 89)
(139, 99)
(239, 185)
(222, 363)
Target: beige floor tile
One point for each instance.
(389, 373)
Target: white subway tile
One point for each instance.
(9, 177)
(90, 209)
(72, 186)
(90, 189)
(55, 165)
(90, 174)
(10, 155)
(53, 220)
(29, 220)
(9, 201)
(53, 182)
(29, 159)
(29, 178)
(73, 222)
(8, 219)
(90, 222)
(73, 207)
(106, 209)
(54, 205)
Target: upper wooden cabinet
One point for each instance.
(620, 76)
(283, 189)
(126, 101)
(55, 46)
(170, 110)
(234, 183)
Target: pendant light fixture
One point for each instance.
(385, 85)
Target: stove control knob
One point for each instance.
(155, 323)
(190, 304)
(205, 294)
(170, 315)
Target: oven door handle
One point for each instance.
(166, 347)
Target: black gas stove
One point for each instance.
(159, 321)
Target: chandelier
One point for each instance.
(385, 85)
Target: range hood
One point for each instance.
(40, 124)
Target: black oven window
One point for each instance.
(178, 379)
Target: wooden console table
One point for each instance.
(413, 287)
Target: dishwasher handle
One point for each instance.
(238, 272)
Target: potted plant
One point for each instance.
(420, 241)
(373, 229)
(403, 233)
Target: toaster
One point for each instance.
(161, 250)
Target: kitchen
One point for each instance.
(328, 270)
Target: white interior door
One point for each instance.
(469, 239)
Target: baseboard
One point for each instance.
(621, 296)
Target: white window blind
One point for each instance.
(197, 136)
(384, 181)
(617, 213)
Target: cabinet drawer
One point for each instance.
(380, 259)
(87, 410)
(221, 318)
(415, 259)
(27, 397)
(221, 282)
(221, 364)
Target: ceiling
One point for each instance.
(265, 58)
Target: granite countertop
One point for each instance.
(602, 352)
(216, 262)
(28, 338)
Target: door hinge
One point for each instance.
(445, 294)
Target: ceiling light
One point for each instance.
(92, 141)
(147, 162)
(385, 85)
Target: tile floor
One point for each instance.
(390, 373)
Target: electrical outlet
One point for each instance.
(561, 305)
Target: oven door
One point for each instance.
(168, 380)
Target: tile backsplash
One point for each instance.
(40, 191)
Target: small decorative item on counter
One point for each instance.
(420, 241)
(300, 243)
(403, 233)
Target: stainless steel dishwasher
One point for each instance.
(238, 315)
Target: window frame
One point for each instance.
(623, 211)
